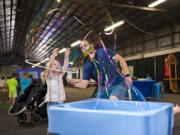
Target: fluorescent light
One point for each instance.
(58, 1)
(31, 31)
(114, 25)
(44, 60)
(71, 63)
(156, 3)
(62, 50)
(76, 43)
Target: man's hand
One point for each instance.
(72, 81)
(79, 84)
(129, 79)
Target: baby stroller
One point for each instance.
(33, 101)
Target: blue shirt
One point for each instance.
(107, 70)
(148, 78)
(24, 83)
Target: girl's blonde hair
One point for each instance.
(43, 76)
(47, 64)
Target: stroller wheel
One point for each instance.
(35, 120)
(21, 118)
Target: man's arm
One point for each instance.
(79, 84)
(123, 65)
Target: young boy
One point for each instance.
(24, 82)
(12, 84)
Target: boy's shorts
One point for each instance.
(12, 93)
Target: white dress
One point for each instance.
(55, 89)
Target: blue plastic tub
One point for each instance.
(107, 117)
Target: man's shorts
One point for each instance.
(119, 90)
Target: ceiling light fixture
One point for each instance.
(62, 50)
(156, 3)
(114, 25)
(45, 60)
(58, 1)
(75, 43)
(71, 63)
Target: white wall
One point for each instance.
(170, 43)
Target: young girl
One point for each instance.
(55, 88)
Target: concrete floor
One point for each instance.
(9, 126)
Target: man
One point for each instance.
(99, 66)
(12, 84)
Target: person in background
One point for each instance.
(31, 77)
(176, 109)
(148, 77)
(54, 78)
(24, 82)
(4, 85)
(12, 84)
